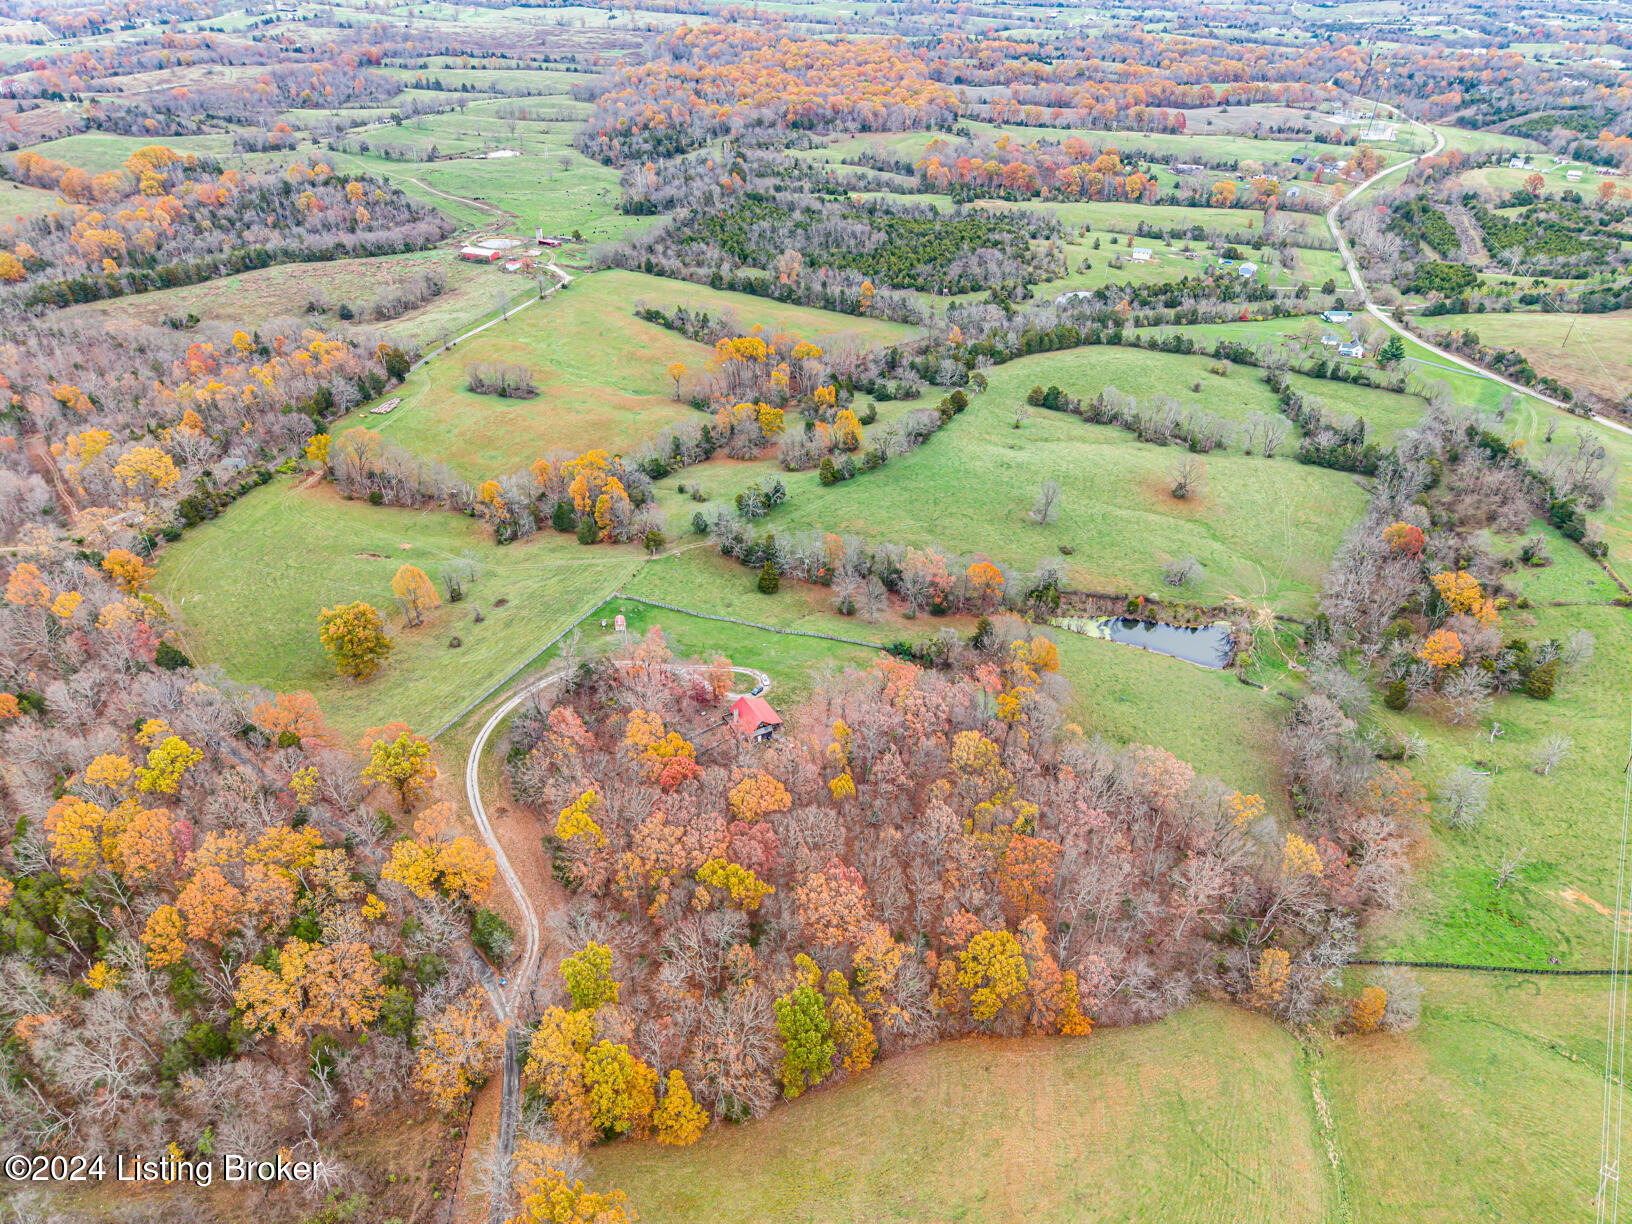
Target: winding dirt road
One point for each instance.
(509, 995)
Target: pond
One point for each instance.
(1208, 645)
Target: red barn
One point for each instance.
(754, 719)
(476, 254)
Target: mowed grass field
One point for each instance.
(253, 298)
(247, 589)
(1584, 352)
(1206, 1112)
(602, 374)
(1488, 1110)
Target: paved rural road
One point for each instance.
(509, 999)
(1382, 316)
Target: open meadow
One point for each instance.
(1590, 351)
(602, 374)
(290, 291)
(1170, 1120)
(299, 550)
(1212, 1106)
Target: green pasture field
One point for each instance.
(602, 382)
(1051, 1130)
(247, 589)
(538, 81)
(1562, 828)
(1154, 146)
(1462, 140)
(1262, 529)
(602, 373)
(1124, 217)
(21, 203)
(1586, 352)
(529, 191)
(250, 299)
(100, 151)
(1489, 1109)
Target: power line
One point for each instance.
(1611, 1126)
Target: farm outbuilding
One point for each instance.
(754, 718)
(476, 254)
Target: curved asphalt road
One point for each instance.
(1382, 316)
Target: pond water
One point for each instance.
(1208, 645)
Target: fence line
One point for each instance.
(514, 672)
(534, 657)
(733, 620)
(1412, 964)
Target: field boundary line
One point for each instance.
(1416, 964)
(514, 672)
(734, 620)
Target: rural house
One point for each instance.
(754, 719)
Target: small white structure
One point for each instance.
(1329, 341)
(1572, 176)
(1337, 316)
(1351, 348)
(1247, 270)
(1517, 163)
(1140, 254)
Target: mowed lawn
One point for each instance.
(1489, 1110)
(1262, 529)
(247, 589)
(602, 374)
(1204, 1117)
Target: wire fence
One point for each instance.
(733, 620)
(488, 693)
(1549, 972)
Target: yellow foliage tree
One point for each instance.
(577, 819)
(128, 570)
(1298, 857)
(355, 637)
(401, 761)
(678, 1120)
(162, 937)
(415, 591)
(456, 1050)
(554, 1198)
(1270, 977)
(146, 468)
(758, 795)
(745, 889)
(314, 986)
(992, 971)
(167, 761)
(1368, 1009)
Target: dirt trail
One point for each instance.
(44, 462)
